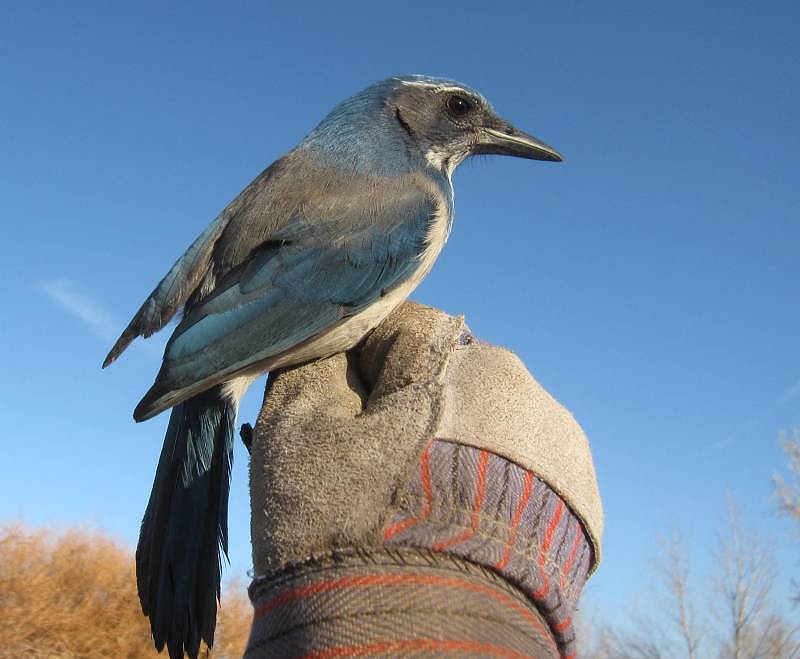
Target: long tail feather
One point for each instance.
(178, 559)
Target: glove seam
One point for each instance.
(335, 559)
(435, 385)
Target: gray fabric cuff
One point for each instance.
(402, 602)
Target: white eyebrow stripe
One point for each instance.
(434, 86)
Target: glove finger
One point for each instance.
(328, 387)
(412, 346)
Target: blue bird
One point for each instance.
(311, 256)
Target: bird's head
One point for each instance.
(439, 121)
(450, 121)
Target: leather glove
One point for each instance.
(406, 489)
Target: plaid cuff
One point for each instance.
(481, 507)
(397, 603)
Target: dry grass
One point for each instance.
(73, 594)
(233, 622)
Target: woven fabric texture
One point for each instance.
(394, 603)
(482, 559)
(481, 507)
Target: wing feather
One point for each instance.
(288, 293)
(172, 291)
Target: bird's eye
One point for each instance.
(459, 106)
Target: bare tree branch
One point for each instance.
(746, 624)
(673, 569)
(788, 493)
(750, 629)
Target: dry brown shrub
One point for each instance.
(233, 622)
(73, 594)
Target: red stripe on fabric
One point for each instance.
(454, 540)
(561, 626)
(425, 477)
(548, 539)
(477, 505)
(414, 645)
(571, 655)
(300, 592)
(399, 527)
(545, 589)
(573, 552)
(551, 528)
(425, 467)
(526, 494)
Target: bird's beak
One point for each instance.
(501, 138)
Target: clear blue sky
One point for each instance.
(650, 282)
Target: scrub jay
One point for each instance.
(311, 256)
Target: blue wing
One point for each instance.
(185, 279)
(172, 291)
(301, 282)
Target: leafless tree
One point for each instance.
(744, 583)
(595, 639)
(746, 625)
(672, 568)
(788, 493)
(639, 640)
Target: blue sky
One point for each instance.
(649, 282)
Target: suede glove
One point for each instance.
(411, 488)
